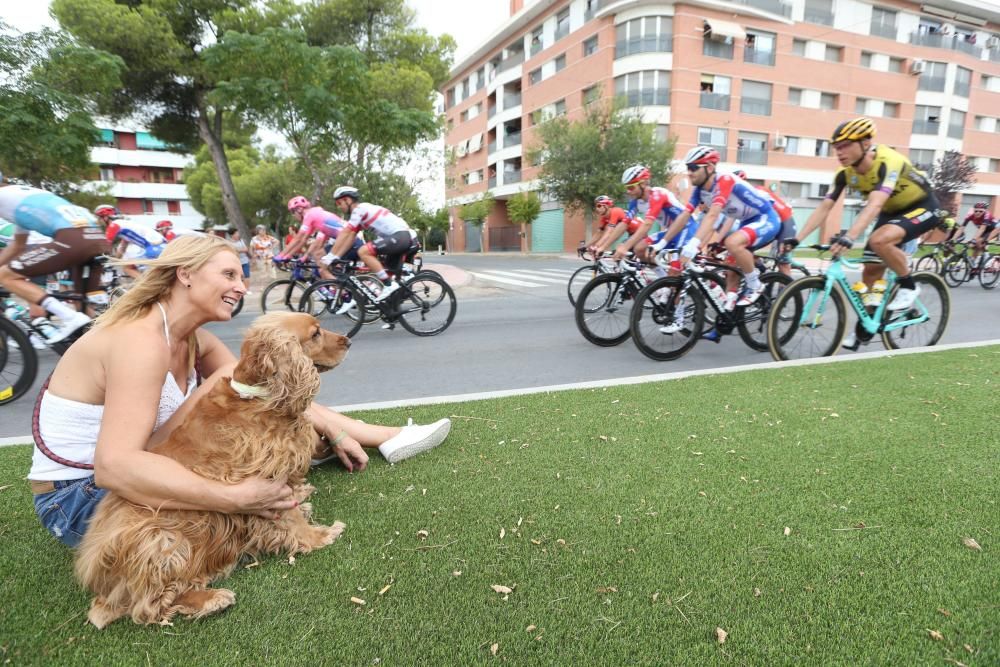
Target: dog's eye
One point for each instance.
(316, 335)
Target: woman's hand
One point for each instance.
(351, 454)
(263, 497)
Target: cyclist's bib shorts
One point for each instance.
(916, 222)
(70, 248)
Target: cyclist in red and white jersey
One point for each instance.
(166, 230)
(985, 224)
(324, 224)
(393, 237)
(613, 221)
(649, 206)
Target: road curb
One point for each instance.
(618, 382)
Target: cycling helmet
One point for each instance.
(604, 199)
(635, 174)
(346, 191)
(739, 173)
(701, 155)
(162, 225)
(107, 211)
(854, 130)
(981, 206)
(297, 202)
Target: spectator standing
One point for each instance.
(263, 245)
(241, 249)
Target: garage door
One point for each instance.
(547, 231)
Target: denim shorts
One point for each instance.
(66, 511)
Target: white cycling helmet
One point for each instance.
(702, 155)
(346, 191)
(635, 174)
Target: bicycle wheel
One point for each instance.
(663, 302)
(580, 277)
(602, 310)
(804, 322)
(281, 295)
(239, 306)
(751, 321)
(428, 305)
(989, 272)
(324, 298)
(956, 271)
(18, 362)
(929, 263)
(934, 302)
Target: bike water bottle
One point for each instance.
(43, 325)
(718, 293)
(13, 310)
(874, 298)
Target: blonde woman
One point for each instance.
(130, 380)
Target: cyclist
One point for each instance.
(135, 242)
(166, 230)
(648, 206)
(899, 200)
(323, 223)
(106, 213)
(788, 226)
(755, 220)
(985, 225)
(393, 237)
(609, 226)
(76, 239)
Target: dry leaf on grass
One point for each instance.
(494, 648)
(502, 590)
(720, 635)
(607, 589)
(756, 593)
(656, 595)
(944, 611)
(291, 560)
(934, 634)
(456, 573)
(503, 533)
(536, 542)
(385, 590)
(530, 628)
(423, 534)
(788, 531)
(358, 601)
(971, 543)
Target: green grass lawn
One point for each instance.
(815, 514)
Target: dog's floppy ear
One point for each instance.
(272, 358)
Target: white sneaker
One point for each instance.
(346, 306)
(850, 341)
(389, 288)
(69, 327)
(673, 327)
(904, 298)
(414, 439)
(730, 302)
(37, 342)
(749, 296)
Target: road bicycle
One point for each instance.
(424, 304)
(963, 268)
(767, 263)
(688, 298)
(989, 270)
(603, 305)
(286, 293)
(595, 266)
(809, 317)
(936, 258)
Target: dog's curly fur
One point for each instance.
(152, 563)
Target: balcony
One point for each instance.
(649, 44)
(511, 100)
(755, 106)
(536, 47)
(931, 127)
(491, 182)
(751, 156)
(889, 30)
(492, 112)
(758, 57)
(512, 139)
(994, 54)
(717, 101)
(717, 49)
(512, 176)
(956, 131)
(953, 42)
(820, 16)
(962, 89)
(931, 83)
(562, 31)
(491, 147)
(773, 6)
(511, 61)
(648, 97)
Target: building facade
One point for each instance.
(764, 81)
(147, 180)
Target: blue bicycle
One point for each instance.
(809, 317)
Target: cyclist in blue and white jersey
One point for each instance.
(76, 239)
(139, 242)
(651, 210)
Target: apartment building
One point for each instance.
(146, 178)
(764, 81)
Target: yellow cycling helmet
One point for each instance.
(854, 130)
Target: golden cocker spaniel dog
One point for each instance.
(153, 563)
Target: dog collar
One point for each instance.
(247, 391)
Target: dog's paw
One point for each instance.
(207, 602)
(302, 491)
(333, 532)
(307, 510)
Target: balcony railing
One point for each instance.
(512, 176)
(821, 16)
(512, 139)
(717, 101)
(649, 44)
(491, 182)
(717, 49)
(562, 32)
(492, 147)
(492, 112)
(536, 47)
(953, 42)
(758, 57)
(933, 83)
(994, 54)
(879, 29)
(756, 106)
(773, 6)
(511, 100)
(751, 156)
(511, 61)
(932, 127)
(956, 131)
(647, 97)
(962, 89)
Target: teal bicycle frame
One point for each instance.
(871, 323)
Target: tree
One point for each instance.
(523, 208)
(583, 158)
(477, 211)
(951, 174)
(166, 80)
(432, 228)
(47, 88)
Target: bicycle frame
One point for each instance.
(835, 275)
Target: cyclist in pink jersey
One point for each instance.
(314, 220)
(393, 237)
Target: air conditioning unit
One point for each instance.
(780, 141)
(917, 67)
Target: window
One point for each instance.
(883, 22)
(591, 94)
(107, 137)
(752, 148)
(591, 8)
(798, 47)
(963, 81)
(819, 11)
(560, 62)
(895, 64)
(921, 158)
(715, 91)
(795, 96)
(717, 47)
(828, 101)
(107, 173)
(756, 98)
(792, 146)
(994, 165)
(759, 48)
(933, 77)
(449, 98)
(562, 23)
(465, 89)
(956, 124)
(472, 111)
(661, 134)
(590, 46)
(794, 190)
(536, 41)
(834, 54)
(644, 35)
(560, 108)
(714, 137)
(646, 88)
(861, 105)
(866, 59)
(534, 76)
(822, 148)
(890, 109)
(926, 119)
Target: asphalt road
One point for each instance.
(514, 328)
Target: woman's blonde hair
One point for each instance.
(186, 252)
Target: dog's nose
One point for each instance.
(347, 341)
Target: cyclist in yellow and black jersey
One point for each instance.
(899, 200)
